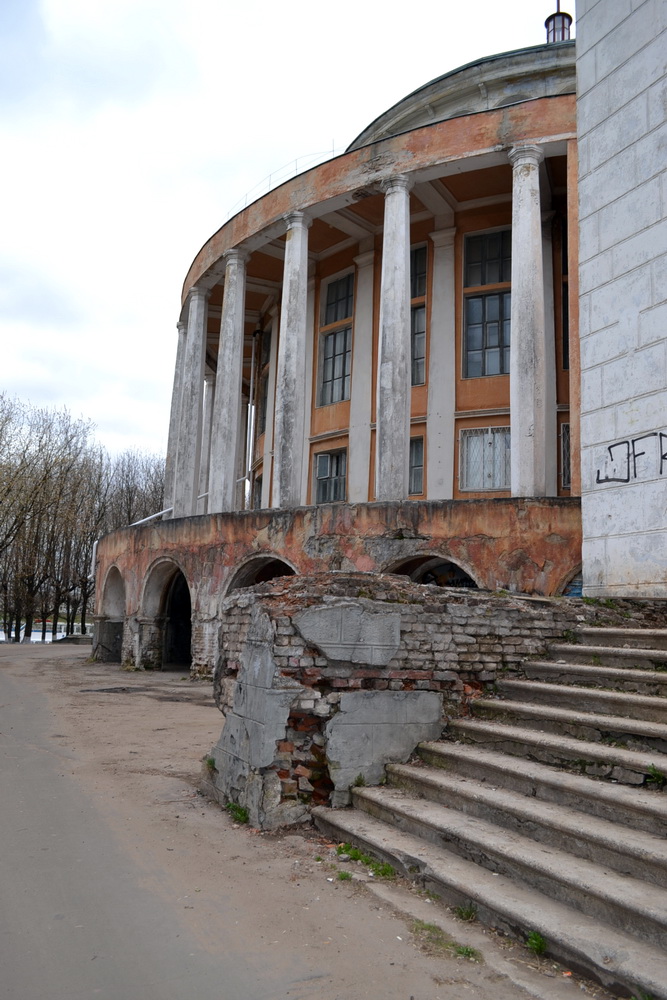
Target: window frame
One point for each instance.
(415, 468)
(336, 388)
(336, 456)
(489, 433)
(485, 291)
(417, 307)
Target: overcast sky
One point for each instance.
(130, 128)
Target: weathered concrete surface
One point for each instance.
(374, 728)
(352, 632)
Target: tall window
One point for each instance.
(263, 380)
(416, 466)
(418, 314)
(336, 343)
(330, 476)
(487, 304)
(485, 459)
(565, 461)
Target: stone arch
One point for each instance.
(259, 569)
(109, 626)
(571, 585)
(430, 568)
(166, 618)
(113, 595)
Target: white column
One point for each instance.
(440, 440)
(267, 457)
(308, 388)
(527, 353)
(228, 386)
(290, 397)
(550, 420)
(205, 460)
(359, 447)
(392, 451)
(174, 418)
(186, 483)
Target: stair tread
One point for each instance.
(612, 951)
(593, 670)
(572, 690)
(639, 799)
(625, 652)
(637, 759)
(594, 719)
(636, 843)
(554, 863)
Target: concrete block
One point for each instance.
(615, 133)
(637, 210)
(351, 632)
(657, 94)
(640, 249)
(377, 727)
(603, 345)
(618, 47)
(595, 272)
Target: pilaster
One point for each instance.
(359, 443)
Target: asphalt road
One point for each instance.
(78, 918)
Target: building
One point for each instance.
(346, 395)
(622, 73)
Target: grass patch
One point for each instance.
(210, 764)
(467, 911)
(344, 876)
(655, 778)
(433, 940)
(237, 812)
(380, 869)
(536, 943)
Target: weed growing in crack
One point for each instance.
(536, 943)
(237, 812)
(467, 911)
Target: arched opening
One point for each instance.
(434, 570)
(109, 627)
(259, 569)
(574, 586)
(177, 613)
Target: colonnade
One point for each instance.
(205, 441)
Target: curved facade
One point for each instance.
(397, 325)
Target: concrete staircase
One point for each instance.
(544, 810)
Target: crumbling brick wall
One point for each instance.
(400, 660)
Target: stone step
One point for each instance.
(637, 854)
(635, 734)
(643, 707)
(636, 808)
(629, 904)
(608, 656)
(630, 767)
(619, 961)
(652, 682)
(639, 638)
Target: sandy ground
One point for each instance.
(135, 743)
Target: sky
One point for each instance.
(130, 129)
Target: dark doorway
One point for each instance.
(434, 570)
(177, 651)
(259, 570)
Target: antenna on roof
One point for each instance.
(558, 25)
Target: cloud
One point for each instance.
(28, 296)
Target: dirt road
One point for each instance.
(121, 882)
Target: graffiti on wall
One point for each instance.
(643, 457)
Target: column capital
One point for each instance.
(443, 237)
(297, 220)
(181, 327)
(525, 156)
(364, 259)
(235, 255)
(401, 182)
(199, 292)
